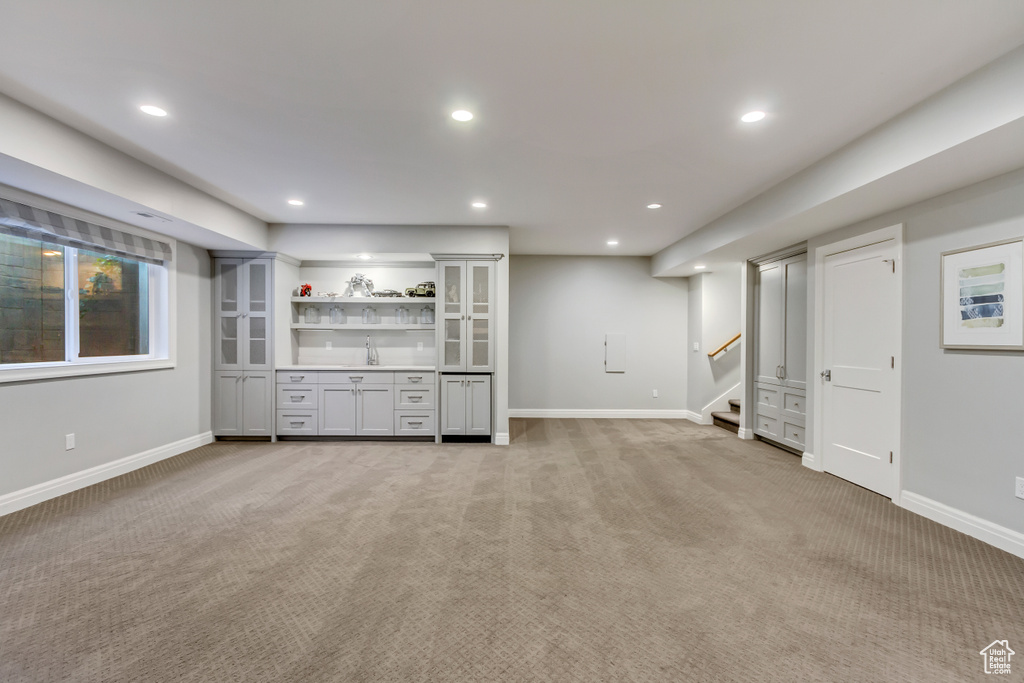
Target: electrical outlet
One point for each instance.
(329, 345)
(69, 442)
(1020, 487)
(419, 346)
(655, 393)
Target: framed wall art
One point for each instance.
(982, 297)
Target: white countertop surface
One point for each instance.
(357, 368)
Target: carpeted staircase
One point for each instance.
(729, 420)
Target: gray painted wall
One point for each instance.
(963, 436)
(561, 307)
(113, 416)
(715, 317)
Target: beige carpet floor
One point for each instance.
(588, 550)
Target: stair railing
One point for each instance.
(724, 346)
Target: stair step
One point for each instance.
(726, 420)
(734, 405)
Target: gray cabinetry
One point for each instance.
(243, 357)
(465, 316)
(780, 387)
(465, 405)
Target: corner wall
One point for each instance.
(963, 436)
(715, 318)
(561, 309)
(113, 416)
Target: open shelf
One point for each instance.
(363, 300)
(327, 327)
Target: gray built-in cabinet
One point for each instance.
(780, 385)
(465, 344)
(243, 353)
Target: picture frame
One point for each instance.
(981, 300)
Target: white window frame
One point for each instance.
(162, 315)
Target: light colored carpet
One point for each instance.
(588, 550)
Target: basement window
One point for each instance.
(77, 298)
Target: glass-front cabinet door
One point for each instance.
(452, 292)
(480, 316)
(230, 301)
(257, 314)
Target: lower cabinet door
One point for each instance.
(257, 408)
(375, 409)
(453, 404)
(227, 403)
(337, 412)
(297, 423)
(478, 405)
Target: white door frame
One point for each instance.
(815, 460)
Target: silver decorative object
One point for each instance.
(360, 285)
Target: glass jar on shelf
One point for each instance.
(427, 315)
(370, 316)
(337, 315)
(402, 315)
(312, 315)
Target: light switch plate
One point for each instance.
(1020, 487)
(69, 442)
(696, 346)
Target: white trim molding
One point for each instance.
(808, 460)
(501, 439)
(599, 414)
(720, 404)
(999, 536)
(746, 434)
(18, 500)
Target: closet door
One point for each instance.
(771, 310)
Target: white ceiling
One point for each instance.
(586, 110)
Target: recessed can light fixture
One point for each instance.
(462, 115)
(699, 267)
(479, 205)
(363, 257)
(654, 206)
(51, 252)
(613, 243)
(752, 116)
(153, 110)
(296, 202)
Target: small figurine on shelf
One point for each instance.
(306, 290)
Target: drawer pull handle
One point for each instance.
(416, 379)
(414, 422)
(296, 399)
(298, 378)
(415, 398)
(357, 379)
(296, 424)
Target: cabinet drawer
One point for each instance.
(296, 377)
(766, 425)
(293, 396)
(297, 422)
(414, 396)
(794, 402)
(793, 435)
(414, 423)
(414, 378)
(767, 396)
(352, 377)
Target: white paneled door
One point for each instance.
(860, 380)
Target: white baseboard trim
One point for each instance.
(693, 417)
(600, 414)
(18, 500)
(746, 434)
(1005, 539)
(808, 460)
(502, 439)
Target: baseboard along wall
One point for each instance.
(604, 414)
(18, 500)
(999, 536)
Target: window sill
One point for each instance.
(60, 370)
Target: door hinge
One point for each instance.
(892, 362)
(890, 457)
(890, 261)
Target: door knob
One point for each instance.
(826, 375)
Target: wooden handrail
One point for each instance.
(724, 346)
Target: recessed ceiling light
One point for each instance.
(654, 206)
(462, 115)
(296, 202)
(699, 267)
(364, 257)
(752, 116)
(152, 110)
(51, 252)
(479, 205)
(613, 243)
